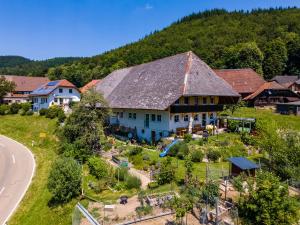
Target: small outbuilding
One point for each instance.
(289, 108)
(240, 165)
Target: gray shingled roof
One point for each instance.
(158, 84)
(285, 79)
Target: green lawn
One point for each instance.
(283, 121)
(34, 207)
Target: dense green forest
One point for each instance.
(18, 65)
(265, 40)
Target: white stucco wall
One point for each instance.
(65, 96)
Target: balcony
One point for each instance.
(195, 108)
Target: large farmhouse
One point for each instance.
(175, 94)
(24, 86)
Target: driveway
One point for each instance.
(17, 168)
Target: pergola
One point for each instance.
(244, 121)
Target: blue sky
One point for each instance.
(41, 29)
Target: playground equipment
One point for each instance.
(168, 147)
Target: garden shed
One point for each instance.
(240, 165)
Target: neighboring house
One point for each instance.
(271, 93)
(58, 92)
(24, 86)
(175, 94)
(89, 85)
(244, 81)
(289, 108)
(290, 82)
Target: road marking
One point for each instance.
(13, 159)
(2, 189)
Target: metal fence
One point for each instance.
(82, 217)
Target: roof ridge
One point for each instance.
(187, 70)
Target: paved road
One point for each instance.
(17, 167)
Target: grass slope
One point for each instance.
(34, 207)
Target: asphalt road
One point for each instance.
(17, 167)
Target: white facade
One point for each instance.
(61, 96)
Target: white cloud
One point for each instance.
(148, 7)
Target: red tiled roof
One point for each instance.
(273, 85)
(89, 85)
(25, 83)
(241, 80)
(65, 83)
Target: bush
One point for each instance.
(197, 156)
(61, 116)
(247, 139)
(64, 181)
(29, 113)
(133, 182)
(187, 138)
(153, 185)
(200, 142)
(135, 151)
(98, 167)
(233, 125)
(43, 112)
(183, 150)
(14, 108)
(121, 173)
(53, 112)
(22, 112)
(213, 155)
(26, 106)
(4, 109)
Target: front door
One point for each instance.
(153, 137)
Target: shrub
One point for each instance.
(233, 125)
(153, 185)
(121, 173)
(247, 139)
(167, 172)
(29, 113)
(183, 150)
(144, 210)
(135, 151)
(64, 181)
(146, 157)
(26, 106)
(4, 109)
(197, 156)
(98, 167)
(43, 112)
(61, 116)
(213, 155)
(14, 108)
(200, 142)
(53, 112)
(174, 150)
(187, 138)
(133, 182)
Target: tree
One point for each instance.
(81, 133)
(166, 172)
(6, 86)
(181, 205)
(275, 58)
(293, 63)
(64, 181)
(209, 193)
(244, 55)
(268, 203)
(188, 164)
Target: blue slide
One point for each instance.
(168, 147)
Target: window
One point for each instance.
(176, 102)
(196, 100)
(130, 115)
(70, 91)
(121, 114)
(36, 100)
(211, 116)
(196, 117)
(159, 118)
(134, 115)
(160, 134)
(143, 131)
(204, 101)
(60, 90)
(186, 118)
(212, 100)
(176, 118)
(153, 117)
(186, 100)
(44, 100)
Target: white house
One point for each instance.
(58, 92)
(177, 94)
